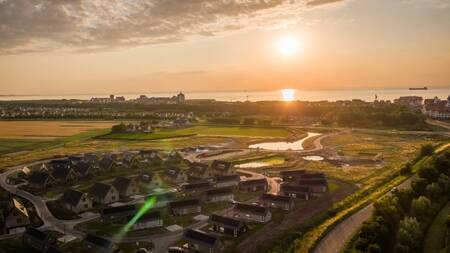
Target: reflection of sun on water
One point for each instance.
(288, 94)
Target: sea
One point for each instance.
(273, 95)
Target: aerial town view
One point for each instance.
(238, 126)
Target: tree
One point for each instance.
(444, 183)
(428, 172)
(426, 149)
(404, 198)
(420, 207)
(406, 169)
(434, 191)
(419, 185)
(388, 208)
(410, 234)
(442, 163)
(120, 128)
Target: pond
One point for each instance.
(313, 158)
(282, 145)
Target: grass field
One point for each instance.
(204, 131)
(47, 130)
(436, 234)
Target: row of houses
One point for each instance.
(44, 242)
(101, 193)
(303, 184)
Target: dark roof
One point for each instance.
(81, 167)
(225, 221)
(290, 173)
(276, 198)
(36, 233)
(99, 241)
(198, 167)
(314, 181)
(253, 182)
(228, 178)
(38, 177)
(122, 183)
(150, 216)
(61, 172)
(221, 165)
(119, 209)
(200, 236)
(194, 186)
(313, 176)
(184, 203)
(100, 190)
(250, 208)
(219, 191)
(295, 188)
(172, 173)
(53, 249)
(60, 163)
(106, 162)
(72, 197)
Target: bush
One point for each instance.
(426, 150)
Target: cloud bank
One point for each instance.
(91, 25)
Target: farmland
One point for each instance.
(47, 130)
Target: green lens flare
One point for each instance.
(143, 210)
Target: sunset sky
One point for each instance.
(93, 46)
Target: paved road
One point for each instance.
(336, 239)
(50, 222)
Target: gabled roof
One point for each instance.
(53, 249)
(72, 197)
(172, 173)
(198, 168)
(228, 178)
(106, 162)
(99, 241)
(252, 182)
(295, 188)
(81, 167)
(122, 183)
(60, 163)
(313, 176)
(247, 208)
(276, 198)
(219, 192)
(150, 216)
(221, 165)
(119, 209)
(194, 186)
(36, 234)
(313, 181)
(61, 172)
(184, 203)
(38, 177)
(200, 237)
(291, 173)
(224, 221)
(100, 190)
(16, 205)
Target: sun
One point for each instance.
(288, 94)
(288, 45)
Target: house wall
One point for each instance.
(227, 184)
(221, 198)
(188, 210)
(84, 205)
(16, 219)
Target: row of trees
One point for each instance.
(401, 219)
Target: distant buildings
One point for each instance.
(143, 99)
(437, 108)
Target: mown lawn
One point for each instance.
(436, 234)
(204, 131)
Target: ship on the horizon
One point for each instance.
(419, 88)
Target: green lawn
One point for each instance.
(204, 131)
(436, 234)
(16, 145)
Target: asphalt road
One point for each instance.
(335, 240)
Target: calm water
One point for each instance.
(313, 158)
(296, 145)
(305, 95)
